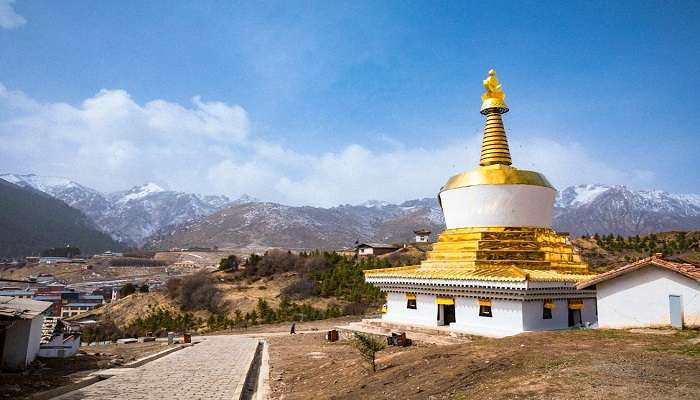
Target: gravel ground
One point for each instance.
(582, 364)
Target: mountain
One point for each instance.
(256, 225)
(588, 209)
(32, 221)
(128, 216)
(579, 210)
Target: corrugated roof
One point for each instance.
(15, 307)
(686, 269)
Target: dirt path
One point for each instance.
(585, 364)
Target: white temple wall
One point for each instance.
(532, 315)
(498, 205)
(424, 314)
(506, 320)
(641, 298)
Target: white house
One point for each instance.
(648, 293)
(20, 331)
(58, 340)
(375, 249)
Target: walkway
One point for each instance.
(213, 369)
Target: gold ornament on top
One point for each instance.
(494, 98)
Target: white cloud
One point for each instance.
(9, 19)
(110, 142)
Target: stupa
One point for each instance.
(499, 268)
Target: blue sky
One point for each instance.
(332, 102)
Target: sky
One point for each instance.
(325, 103)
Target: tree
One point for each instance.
(127, 289)
(229, 263)
(368, 346)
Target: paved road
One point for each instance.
(212, 369)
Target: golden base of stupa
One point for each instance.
(496, 253)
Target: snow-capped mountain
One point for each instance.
(129, 216)
(162, 218)
(262, 225)
(588, 209)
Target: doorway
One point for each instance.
(674, 303)
(574, 317)
(446, 314)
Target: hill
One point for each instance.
(31, 221)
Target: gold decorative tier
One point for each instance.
(497, 253)
(494, 147)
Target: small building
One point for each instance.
(422, 235)
(648, 293)
(58, 339)
(185, 264)
(346, 252)
(375, 249)
(20, 294)
(20, 331)
(73, 309)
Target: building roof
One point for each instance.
(478, 273)
(15, 293)
(47, 298)
(21, 308)
(686, 269)
(80, 305)
(92, 297)
(379, 245)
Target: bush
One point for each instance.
(368, 346)
(127, 289)
(300, 289)
(196, 292)
(229, 263)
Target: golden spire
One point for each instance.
(494, 148)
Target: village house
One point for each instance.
(58, 340)
(422, 235)
(73, 309)
(21, 321)
(375, 249)
(648, 293)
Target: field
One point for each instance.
(582, 364)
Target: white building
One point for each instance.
(648, 293)
(375, 249)
(58, 340)
(499, 268)
(422, 235)
(20, 331)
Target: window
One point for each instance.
(485, 311)
(485, 308)
(547, 309)
(411, 301)
(546, 313)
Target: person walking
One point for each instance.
(293, 331)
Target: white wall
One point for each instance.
(498, 205)
(58, 348)
(424, 314)
(640, 298)
(506, 320)
(533, 321)
(22, 342)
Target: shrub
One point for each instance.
(300, 289)
(198, 292)
(368, 346)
